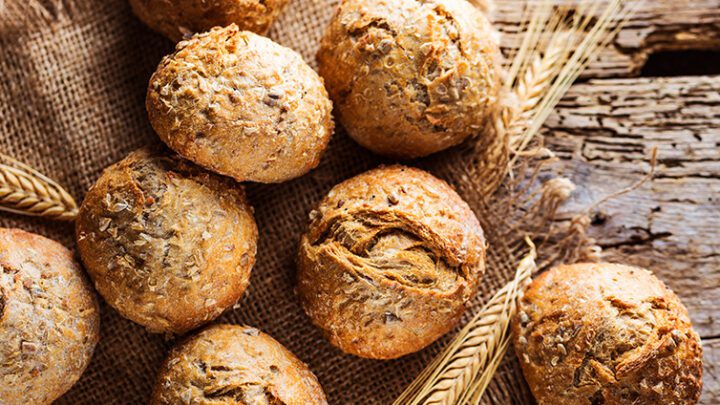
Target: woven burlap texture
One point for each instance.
(72, 91)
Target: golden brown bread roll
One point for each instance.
(410, 78)
(178, 18)
(49, 319)
(389, 261)
(241, 105)
(606, 334)
(228, 364)
(169, 245)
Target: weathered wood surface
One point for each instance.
(658, 25)
(604, 131)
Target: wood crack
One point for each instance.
(657, 26)
(636, 240)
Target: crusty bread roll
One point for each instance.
(606, 334)
(241, 105)
(389, 261)
(410, 78)
(169, 245)
(179, 18)
(228, 364)
(49, 319)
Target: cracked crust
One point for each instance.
(167, 244)
(49, 319)
(606, 334)
(410, 77)
(241, 105)
(180, 18)
(389, 261)
(229, 364)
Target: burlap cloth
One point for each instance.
(73, 76)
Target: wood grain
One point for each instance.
(658, 25)
(604, 131)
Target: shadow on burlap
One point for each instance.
(72, 102)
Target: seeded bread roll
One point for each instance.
(606, 334)
(241, 105)
(49, 319)
(169, 245)
(179, 18)
(228, 364)
(410, 78)
(389, 261)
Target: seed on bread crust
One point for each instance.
(606, 334)
(389, 261)
(410, 78)
(49, 319)
(168, 244)
(230, 364)
(241, 105)
(180, 18)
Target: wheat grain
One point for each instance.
(588, 35)
(544, 69)
(24, 190)
(475, 352)
(558, 45)
(534, 85)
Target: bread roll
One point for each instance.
(606, 334)
(179, 18)
(241, 105)
(410, 78)
(389, 261)
(49, 319)
(168, 245)
(227, 364)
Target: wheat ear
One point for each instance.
(477, 350)
(533, 86)
(24, 190)
(558, 45)
(544, 69)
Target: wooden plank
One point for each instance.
(658, 25)
(603, 132)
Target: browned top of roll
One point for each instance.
(241, 105)
(389, 260)
(228, 364)
(178, 18)
(169, 245)
(410, 78)
(606, 334)
(49, 319)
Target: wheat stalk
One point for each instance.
(24, 190)
(486, 6)
(588, 35)
(533, 86)
(558, 45)
(477, 389)
(544, 69)
(472, 357)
